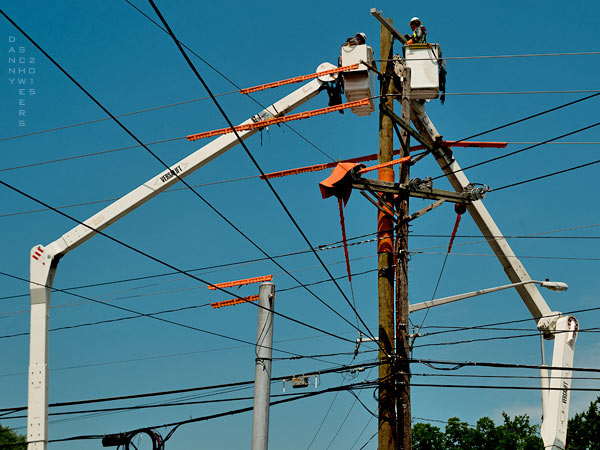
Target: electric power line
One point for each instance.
(548, 175)
(338, 244)
(247, 150)
(301, 136)
(215, 210)
(343, 368)
(176, 425)
(180, 324)
(506, 155)
(527, 55)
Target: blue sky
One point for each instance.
(130, 65)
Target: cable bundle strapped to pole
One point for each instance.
(124, 439)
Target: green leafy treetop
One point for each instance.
(517, 434)
(583, 433)
(8, 436)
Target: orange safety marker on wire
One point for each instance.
(243, 282)
(234, 301)
(317, 167)
(276, 120)
(385, 164)
(299, 79)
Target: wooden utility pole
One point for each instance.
(387, 436)
(402, 331)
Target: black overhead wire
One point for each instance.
(485, 326)
(344, 379)
(456, 365)
(452, 329)
(506, 155)
(547, 175)
(226, 78)
(156, 313)
(122, 126)
(361, 433)
(504, 387)
(331, 246)
(360, 385)
(369, 440)
(247, 150)
(493, 338)
(213, 333)
(184, 308)
(523, 119)
(356, 400)
(524, 377)
(343, 368)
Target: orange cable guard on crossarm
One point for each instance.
(243, 282)
(234, 301)
(374, 156)
(299, 79)
(276, 120)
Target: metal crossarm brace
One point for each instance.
(406, 127)
(421, 192)
(388, 211)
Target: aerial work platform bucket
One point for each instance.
(423, 60)
(358, 83)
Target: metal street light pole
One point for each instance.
(262, 376)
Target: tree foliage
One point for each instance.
(583, 433)
(8, 436)
(517, 434)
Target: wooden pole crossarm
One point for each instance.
(422, 192)
(425, 210)
(406, 127)
(391, 28)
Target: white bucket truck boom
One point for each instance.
(44, 258)
(552, 324)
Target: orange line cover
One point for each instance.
(386, 164)
(317, 167)
(263, 87)
(275, 120)
(234, 301)
(243, 282)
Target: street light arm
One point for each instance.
(553, 285)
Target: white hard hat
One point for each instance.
(414, 19)
(364, 36)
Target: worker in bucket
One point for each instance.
(419, 35)
(357, 39)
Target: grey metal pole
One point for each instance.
(262, 375)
